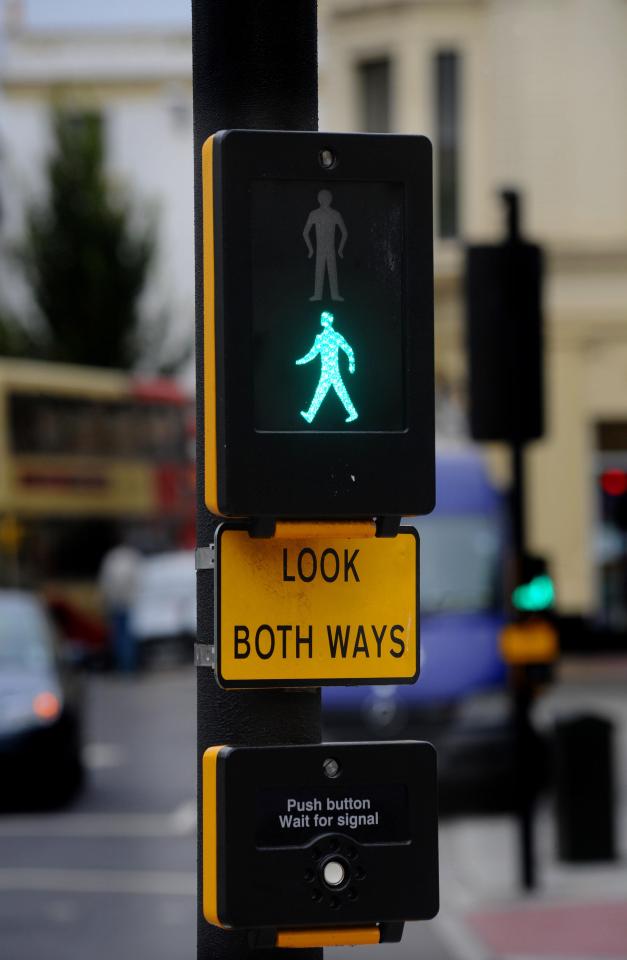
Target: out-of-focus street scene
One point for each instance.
(523, 563)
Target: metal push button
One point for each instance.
(333, 873)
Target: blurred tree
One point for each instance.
(86, 262)
(14, 341)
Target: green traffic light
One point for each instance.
(328, 345)
(538, 594)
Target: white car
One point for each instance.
(164, 609)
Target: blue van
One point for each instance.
(459, 701)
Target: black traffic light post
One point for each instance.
(505, 341)
(254, 66)
(522, 690)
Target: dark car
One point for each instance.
(40, 744)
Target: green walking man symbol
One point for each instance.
(328, 344)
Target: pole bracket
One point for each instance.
(206, 557)
(205, 655)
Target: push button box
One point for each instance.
(322, 838)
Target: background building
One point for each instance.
(532, 95)
(137, 78)
(526, 94)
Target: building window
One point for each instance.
(374, 77)
(447, 140)
(178, 101)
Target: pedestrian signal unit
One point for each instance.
(335, 844)
(318, 325)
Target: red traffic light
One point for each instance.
(614, 482)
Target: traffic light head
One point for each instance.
(536, 595)
(318, 347)
(614, 486)
(505, 335)
(536, 591)
(614, 482)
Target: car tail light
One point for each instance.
(46, 706)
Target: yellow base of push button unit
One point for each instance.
(347, 937)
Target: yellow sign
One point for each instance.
(314, 612)
(531, 641)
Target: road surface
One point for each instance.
(114, 876)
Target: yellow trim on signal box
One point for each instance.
(209, 333)
(357, 530)
(342, 937)
(210, 835)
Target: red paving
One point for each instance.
(565, 931)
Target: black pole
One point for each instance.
(518, 506)
(511, 200)
(254, 66)
(522, 693)
(521, 685)
(526, 778)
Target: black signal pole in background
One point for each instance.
(505, 345)
(522, 686)
(522, 691)
(254, 66)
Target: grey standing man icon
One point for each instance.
(325, 220)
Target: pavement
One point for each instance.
(114, 876)
(577, 911)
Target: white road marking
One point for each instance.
(62, 912)
(173, 913)
(97, 881)
(184, 818)
(181, 822)
(103, 756)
